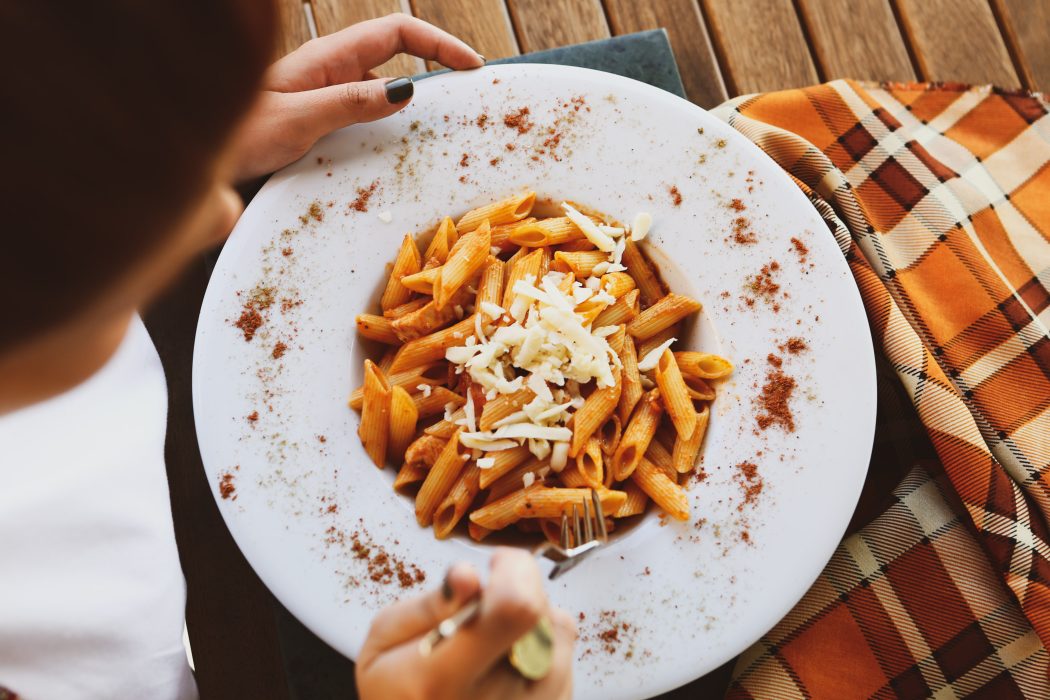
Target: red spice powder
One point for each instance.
(364, 194)
(322, 438)
(741, 234)
(482, 121)
(763, 286)
(794, 346)
(773, 401)
(800, 248)
(465, 160)
(518, 120)
(676, 196)
(774, 360)
(737, 205)
(510, 146)
(253, 416)
(249, 321)
(494, 162)
(286, 252)
(750, 481)
(226, 487)
(383, 567)
(279, 349)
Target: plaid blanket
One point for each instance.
(939, 196)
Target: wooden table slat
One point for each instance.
(333, 15)
(957, 40)
(292, 29)
(229, 612)
(1025, 25)
(859, 40)
(484, 24)
(761, 48)
(545, 24)
(689, 40)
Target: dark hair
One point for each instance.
(111, 112)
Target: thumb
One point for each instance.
(329, 108)
(416, 616)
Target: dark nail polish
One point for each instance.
(483, 59)
(446, 589)
(399, 90)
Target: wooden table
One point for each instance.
(245, 645)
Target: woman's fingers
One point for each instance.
(512, 603)
(558, 683)
(319, 112)
(414, 617)
(348, 54)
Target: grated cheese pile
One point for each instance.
(542, 344)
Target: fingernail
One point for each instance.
(483, 59)
(399, 90)
(446, 587)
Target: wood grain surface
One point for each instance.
(689, 41)
(859, 39)
(484, 24)
(545, 24)
(957, 40)
(760, 45)
(292, 30)
(333, 15)
(229, 612)
(1025, 25)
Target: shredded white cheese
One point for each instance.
(652, 357)
(426, 389)
(528, 479)
(601, 240)
(485, 462)
(385, 216)
(640, 227)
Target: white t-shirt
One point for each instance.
(92, 599)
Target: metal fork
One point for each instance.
(586, 534)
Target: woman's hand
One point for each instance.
(472, 663)
(327, 84)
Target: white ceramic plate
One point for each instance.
(683, 597)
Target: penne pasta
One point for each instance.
(374, 429)
(464, 261)
(625, 310)
(703, 365)
(431, 348)
(632, 381)
(659, 487)
(377, 328)
(407, 262)
(504, 211)
(698, 389)
(546, 232)
(439, 480)
(588, 464)
(429, 318)
(675, 395)
(443, 239)
(609, 435)
(636, 500)
(616, 283)
(423, 281)
(596, 410)
(504, 462)
(662, 315)
(403, 417)
(639, 268)
(433, 374)
(490, 287)
(455, 505)
(683, 458)
(435, 402)
(547, 502)
(637, 435)
(535, 393)
(524, 266)
(581, 263)
(501, 234)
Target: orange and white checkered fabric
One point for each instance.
(939, 196)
